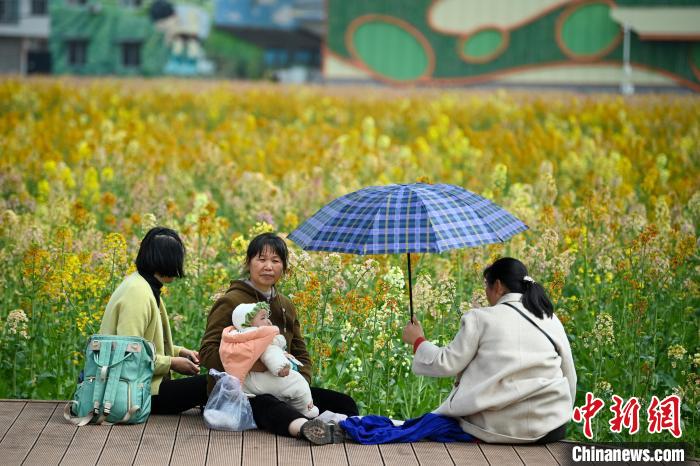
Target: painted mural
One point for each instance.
(103, 37)
(263, 14)
(185, 27)
(471, 41)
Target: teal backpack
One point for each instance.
(116, 382)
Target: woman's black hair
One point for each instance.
(161, 252)
(511, 272)
(267, 241)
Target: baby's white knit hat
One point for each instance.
(239, 317)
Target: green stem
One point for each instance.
(371, 368)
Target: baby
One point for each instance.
(253, 337)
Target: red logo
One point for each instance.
(587, 412)
(665, 415)
(625, 416)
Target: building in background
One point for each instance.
(129, 37)
(626, 43)
(24, 34)
(273, 38)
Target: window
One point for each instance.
(131, 54)
(9, 11)
(276, 58)
(131, 3)
(39, 7)
(302, 57)
(77, 52)
(77, 2)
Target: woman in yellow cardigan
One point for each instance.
(136, 309)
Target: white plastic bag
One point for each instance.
(228, 407)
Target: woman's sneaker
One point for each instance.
(321, 433)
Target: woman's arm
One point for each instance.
(435, 361)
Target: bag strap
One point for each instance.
(76, 421)
(102, 361)
(537, 326)
(115, 371)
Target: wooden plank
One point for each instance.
(86, 446)
(535, 454)
(259, 447)
(16, 400)
(53, 441)
(331, 455)
(225, 448)
(122, 444)
(293, 452)
(9, 410)
(561, 451)
(466, 453)
(432, 453)
(362, 455)
(158, 439)
(501, 455)
(20, 438)
(192, 440)
(400, 454)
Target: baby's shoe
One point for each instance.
(311, 412)
(330, 416)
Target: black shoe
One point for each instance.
(320, 433)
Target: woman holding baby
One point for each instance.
(266, 262)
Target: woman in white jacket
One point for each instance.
(515, 380)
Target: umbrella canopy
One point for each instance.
(406, 218)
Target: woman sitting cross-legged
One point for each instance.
(266, 262)
(515, 380)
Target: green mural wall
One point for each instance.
(394, 41)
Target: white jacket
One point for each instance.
(511, 385)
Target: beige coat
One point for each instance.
(511, 386)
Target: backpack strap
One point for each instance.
(77, 421)
(102, 359)
(115, 371)
(537, 326)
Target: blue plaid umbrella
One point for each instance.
(406, 218)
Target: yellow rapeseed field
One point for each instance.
(610, 188)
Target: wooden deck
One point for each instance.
(34, 432)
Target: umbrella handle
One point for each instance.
(410, 288)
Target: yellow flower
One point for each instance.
(67, 178)
(91, 185)
(43, 190)
(676, 352)
(50, 168)
(107, 174)
(83, 151)
(291, 221)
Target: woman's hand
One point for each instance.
(190, 354)
(184, 366)
(412, 331)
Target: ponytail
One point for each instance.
(513, 274)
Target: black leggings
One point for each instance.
(178, 395)
(554, 436)
(274, 415)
